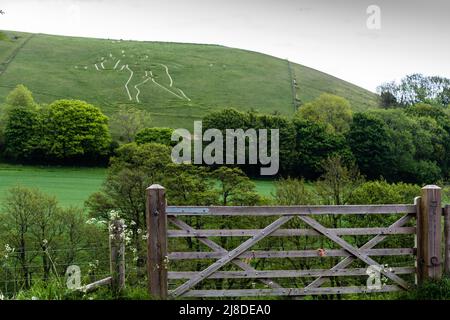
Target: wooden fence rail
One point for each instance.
(421, 219)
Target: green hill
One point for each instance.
(177, 83)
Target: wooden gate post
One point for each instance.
(117, 254)
(429, 254)
(447, 239)
(157, 241)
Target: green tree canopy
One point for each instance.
(370, 143)
(20, 97)
(333, 111)
(155, 135)
(127, 121)
(75, 130)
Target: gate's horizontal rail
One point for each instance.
(292, 254)
(285, 273)
(286, 292)
(290, 210)
(289, 232)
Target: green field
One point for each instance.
(177, 83)
(71, 186)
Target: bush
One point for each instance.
(155, 135)
(382, 192)
(20, 97)
(67, 131)
(75, 130)
(431, 290)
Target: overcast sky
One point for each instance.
(329, 35)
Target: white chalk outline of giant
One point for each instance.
(148, 75)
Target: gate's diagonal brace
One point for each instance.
(217, 248)
(230, 256)
(355, 251)
(368, 245)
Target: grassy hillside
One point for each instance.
(177, 83)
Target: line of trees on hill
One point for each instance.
(409, 143)
(63, 132)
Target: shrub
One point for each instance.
(155, 135)
(430, 290)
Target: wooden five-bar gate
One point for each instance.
(422, 219)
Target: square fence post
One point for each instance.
(157, 241)
(429, 237)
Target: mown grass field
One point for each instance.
(71, 186)
(177, 83)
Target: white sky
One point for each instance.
(329, 35)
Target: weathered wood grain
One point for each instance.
(95, 285)
(289, 232)
(157, 241)
(291, 254)
(285, 292)
(230, 256)
(368, 245)
(291, 210)
(429, 236)
(285, 273)
(353, 250)
(219, 250)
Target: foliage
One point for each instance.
(338, 181)
(132, 171)
(40, 238)
(416, 88)
(312, 146)
(235, 187)
(382, 192)
(20, 97)
(291, 192)
(430, 290)
(369, 141)
(332, 111)
(65, 131)
(75, 130)
(127, 122)
(20, 133)
(155, 135)
(233, 119)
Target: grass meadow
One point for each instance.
(72, 186)
(100, 71)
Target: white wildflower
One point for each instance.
(91, 221)
(114, 215)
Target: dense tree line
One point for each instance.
(409, 144)
(413, 89)
(64, 132)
